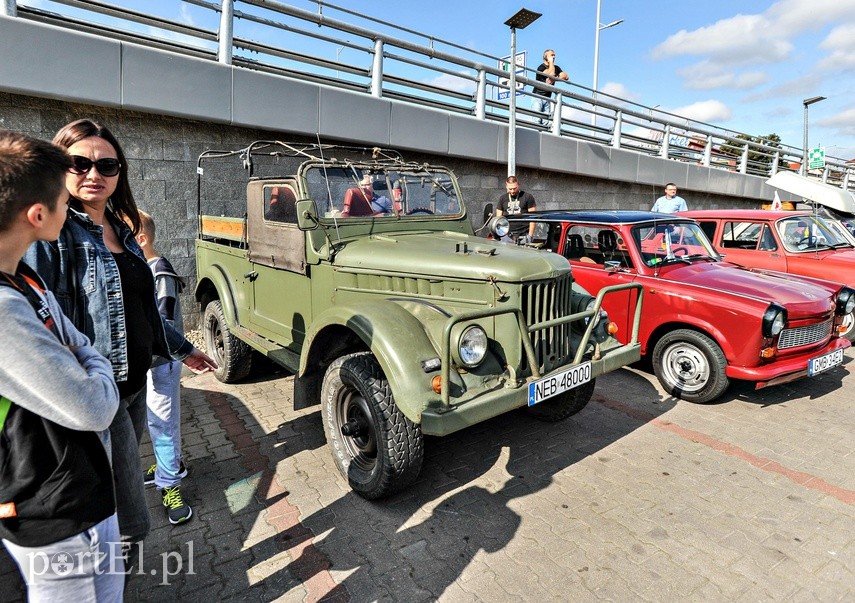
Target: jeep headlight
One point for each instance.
(845, 301)
(471, 346)
(774, 320)
(499, 227)
(586, 303)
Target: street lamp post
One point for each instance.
(599, 27)
(806, 102)
(522, 19)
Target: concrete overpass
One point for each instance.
(166, 106)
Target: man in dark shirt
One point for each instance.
(516, 201)
(548, 72)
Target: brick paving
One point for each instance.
(638, 497)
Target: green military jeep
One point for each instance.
(360, 273)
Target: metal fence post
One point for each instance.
(743, 161)
(226, 33)
(617, 129)
(377, 69)
(481, 95)
(776, 161)
(556, 114)
(666, 141)
(707, 152)
(10, 8)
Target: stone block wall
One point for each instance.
(162, 153)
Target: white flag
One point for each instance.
(776, 204)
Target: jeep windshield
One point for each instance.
(662, 243)
(371, 191)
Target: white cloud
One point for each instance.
(186, 17)
(803, 86)
(739, 39)
(454, 83)
(710, 111)
(621, 91)
(710, 76)
(841, 42)
(792, 17)
(757, 38)
(844, 122)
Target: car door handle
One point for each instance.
(251, 275)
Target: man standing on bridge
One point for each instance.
(548, 72)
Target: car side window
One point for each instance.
(709, 230)
(280, 204)
(741, 235)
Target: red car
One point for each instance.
(705, 321)
(797, 242)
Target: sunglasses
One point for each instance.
(106, 167)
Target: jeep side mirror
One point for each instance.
(307, 217)
(488, 212)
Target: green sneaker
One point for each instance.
(176, 509)
(148, 474)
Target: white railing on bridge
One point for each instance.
(385, 60)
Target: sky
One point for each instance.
(744, 65)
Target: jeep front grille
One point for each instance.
(792, 338)
(546, 300)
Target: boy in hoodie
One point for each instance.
(164, 385)
(57, 399)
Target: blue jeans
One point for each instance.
(542, 104)
(84, 568)
(125, 433)
(164, 421)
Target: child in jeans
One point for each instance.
(163, 399)
(57, 399)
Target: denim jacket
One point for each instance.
(84, 278)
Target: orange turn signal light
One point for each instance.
(841, 328)
(612, 328)
(436, 383)
(767, 353)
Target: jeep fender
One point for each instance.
(396, 338)
(218, 280)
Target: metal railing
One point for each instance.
(379, 58)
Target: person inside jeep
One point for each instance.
(363, 201)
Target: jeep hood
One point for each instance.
(450, 254)
(791, 291)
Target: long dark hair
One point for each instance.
(122, 201)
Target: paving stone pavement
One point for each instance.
(639, 497)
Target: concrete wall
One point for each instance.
(166, 109)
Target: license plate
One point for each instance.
(545, 388)
(825, 362)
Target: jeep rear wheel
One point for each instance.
(233, 356)
(690, 366)
(376, 448)
(563, 406)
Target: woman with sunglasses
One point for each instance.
(98, 274)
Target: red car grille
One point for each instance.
(792, 338)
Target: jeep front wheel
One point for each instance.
(233, 356)
(690, 366)
(564, 405)
(376, 448)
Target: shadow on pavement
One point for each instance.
(273, 517)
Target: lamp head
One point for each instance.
(523, 18)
